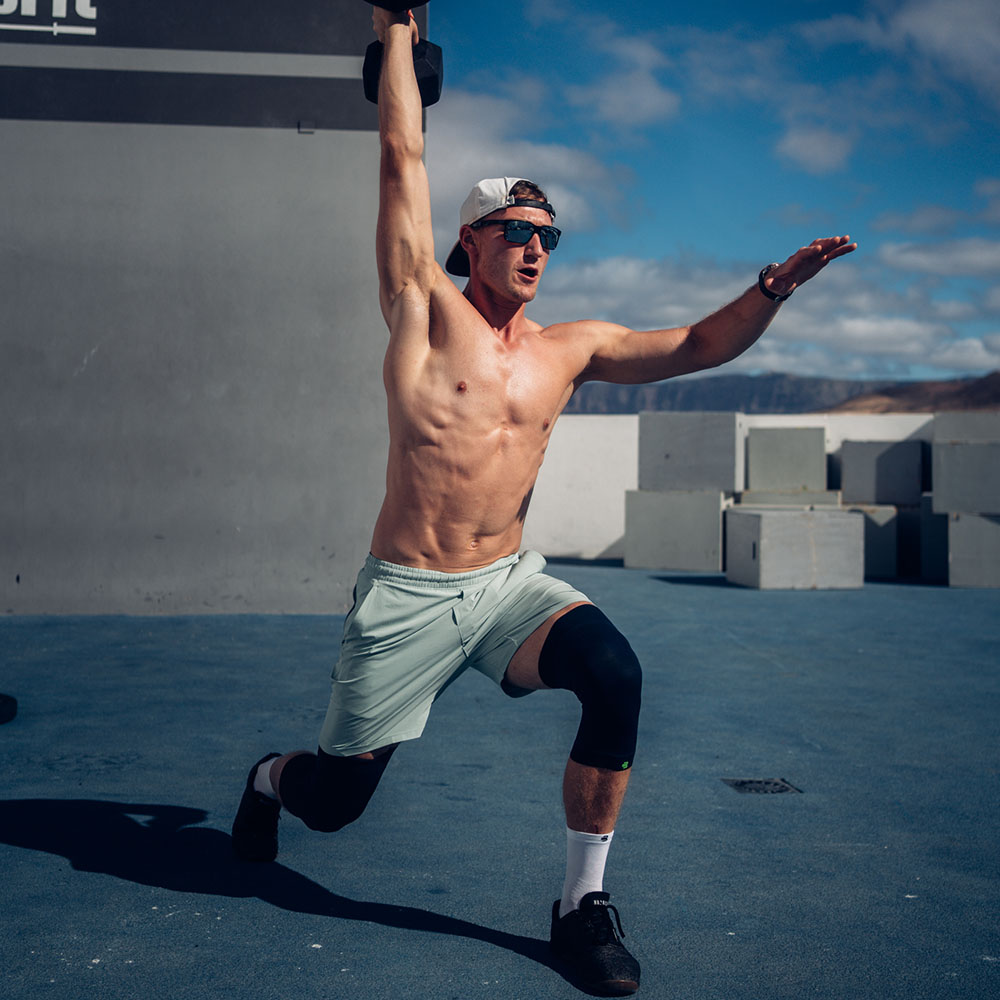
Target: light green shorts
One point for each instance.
(412, 632)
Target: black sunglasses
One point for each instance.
(521, 231)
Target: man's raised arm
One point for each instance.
(630, 357)
(404, 241)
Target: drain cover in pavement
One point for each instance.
(761, 786)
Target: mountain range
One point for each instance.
(780, 393)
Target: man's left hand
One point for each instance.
(807, 263)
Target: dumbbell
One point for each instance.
(428, 62)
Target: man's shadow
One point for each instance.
(160, 845)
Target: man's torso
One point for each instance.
(470, 415)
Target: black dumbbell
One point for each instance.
(428, 62)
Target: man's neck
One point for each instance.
(507, 318)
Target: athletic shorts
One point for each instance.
(412, 632)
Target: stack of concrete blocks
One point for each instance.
(966, 480)
(785, 548)
(883, 480)
(786, 531)
(690, 466)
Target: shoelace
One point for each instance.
(600, 928)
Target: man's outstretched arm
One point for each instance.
(630, 357)
(404, 242)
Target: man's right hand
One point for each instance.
(382, 19)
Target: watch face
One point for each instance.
(774, 296)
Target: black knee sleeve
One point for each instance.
(584, 653)
(328, 792)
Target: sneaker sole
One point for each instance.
(241, 848)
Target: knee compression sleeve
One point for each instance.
(584, 653)
(328, 792)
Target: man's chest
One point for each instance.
(494, 386)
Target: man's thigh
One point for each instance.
(522, 671)
(507, 647)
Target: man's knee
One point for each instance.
(327, 792)
(584, 653)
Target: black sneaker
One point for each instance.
(255, 829)
(586, 940)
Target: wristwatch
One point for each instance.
(774, 296)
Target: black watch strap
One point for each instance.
(773, 296)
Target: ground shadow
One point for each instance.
(611, 561)
(696, 580)
(160, 845)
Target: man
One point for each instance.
(474, 389)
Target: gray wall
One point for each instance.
(190, 353)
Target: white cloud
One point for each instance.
(959, 37)
(968, 354)
(991, 301)
(471, 136)
(629, 94)
(953, 310)
(901, 337)
(963, 36)
(816, 150)
(625, 101)
(989, 188)
(971, 256)
(924, 219)
(639, 293)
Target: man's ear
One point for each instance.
(467, 238)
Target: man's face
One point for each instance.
(510, 270)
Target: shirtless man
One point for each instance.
(474, 388)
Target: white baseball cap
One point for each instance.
(488, 196)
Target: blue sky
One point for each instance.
(685, 146)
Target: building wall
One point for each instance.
(578, 505)
(190, 341)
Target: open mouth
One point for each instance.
(531, 273)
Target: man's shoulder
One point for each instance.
(578, 329)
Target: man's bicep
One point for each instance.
(629, 357)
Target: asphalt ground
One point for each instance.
(878, 878)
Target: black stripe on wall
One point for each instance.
(316, 27)
(184, 99)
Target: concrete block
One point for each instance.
(966, 477)
(933, 543)
(791, 498)
(908, 527)
(795, 549)
(973, 550)
(881, 541)
(969, 426)
(674, 530)
(882, 472)
(691, 451)
(786, 458)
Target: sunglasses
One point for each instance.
(521, 231)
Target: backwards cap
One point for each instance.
(488, 196)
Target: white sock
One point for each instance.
(262, 779)
(586, 855)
